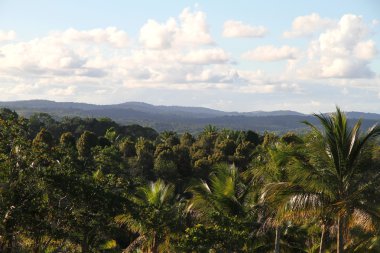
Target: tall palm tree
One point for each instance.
(287, 191)
(154, 217)
(270, 170)
(334, 177)
(352, 177)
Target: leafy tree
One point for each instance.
(145, 158)
(85, 143)
(243, 154)
(252, 137)
(155, 218)
(68, 140)
(168, 138)
(187, 140)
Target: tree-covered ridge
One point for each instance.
(92, 185)
(179, 119)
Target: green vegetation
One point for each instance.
(92, 185)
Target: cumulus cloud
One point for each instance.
(218, 74)
(261, 89)
(7, 35)
(190, 29)
(41, 56)
(73, 62)
(271, 53)
(110, 35)
(234, 28)
(68, 52)
(97, 65)
(206, 56)
(365, 50)
(342, 52)
(58, 92)
(308, 25)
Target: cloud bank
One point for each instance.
(181, 54)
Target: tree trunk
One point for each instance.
(84, 246)
(10, 246)
(37, 244)
(277, 240)
(339, 236)
(155, 245)
(323, 235)
(135, 244)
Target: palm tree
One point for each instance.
(154, 217)
(210, 130)
(287, 194)
(348, 170)
(224, 194)
(226, 201)
(334, 177)
(270, 170)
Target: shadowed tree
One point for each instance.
(227, 206)
(85, 142)
(154, 217)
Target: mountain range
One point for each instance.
(179, 118)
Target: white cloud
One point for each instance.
(342, 52)
(110, 35)
(233, 29)
(190, 30)
(58, 92)
(365, 50)
(261, 89)
(76, 63)
(308, 25)
(68, 52)
(156, 35)
(102, 65)
(271, 53)
(315, 103)
(7, 35)
(194, 28)
(39, 56)
(206, 56)
(218, 74)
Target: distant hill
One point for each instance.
(178, 118)
(363, 115)
(273, 113)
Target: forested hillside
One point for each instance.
(93, 185)
(178, 118)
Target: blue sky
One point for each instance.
(234, 55)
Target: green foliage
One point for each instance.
(85, 185)
(67, 140)
(43, 139)
(85, 143)
(155, 216)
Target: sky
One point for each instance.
(302, 55)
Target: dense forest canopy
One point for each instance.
(92, 185)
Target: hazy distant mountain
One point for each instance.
(273, 113)
(178, 118)
(176, 110)
(363, 115)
